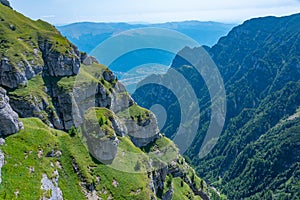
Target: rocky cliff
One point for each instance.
(48, 83)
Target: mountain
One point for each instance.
(80, 135)
(257, 154)
(88, 35)
(130, 68)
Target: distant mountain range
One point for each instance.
(87, 35)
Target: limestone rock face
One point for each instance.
(12, 77)
(9, 122)
(120, 99)
(105, 149)
(101, 137)
(159, 177)
(119, 127)
(108, 76)
(58, 64)
(51, 186)
(142, 133)
(45, 60)
(30, 108)
(88, 60)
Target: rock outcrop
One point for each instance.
(44, 81)
(159, 177)
(9, 121)
(142, 133)
(168, 195)
(12, 76)
(88, 60)
(120, 99)
(51, 63)
(51, 186)
(5, 2)
(103, 149)
(59, 64)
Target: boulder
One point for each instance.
(9, 121)
(103, 149)
(108, 76)
(89, 60)
(5, 2)
(142, 133)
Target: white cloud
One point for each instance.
(48, 16)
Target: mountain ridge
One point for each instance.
(259, 63)
(87, 35)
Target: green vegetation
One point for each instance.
(89, 75)
(130, 186)
(99, 118)
(21, 35)
(136, 113)
(273, 157)
(167, 150)
(34, 93)
(182, 191)
(130, 158)
(35, 87)
(28, 149)
(258, 62)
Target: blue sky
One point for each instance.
(233, 11)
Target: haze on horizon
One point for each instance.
(60, 12)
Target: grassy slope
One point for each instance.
(21, 154)
(37, 136)
(19, 37)
(16, 176)
(135, 112)
(182, 192)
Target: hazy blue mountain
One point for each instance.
(87, 35)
